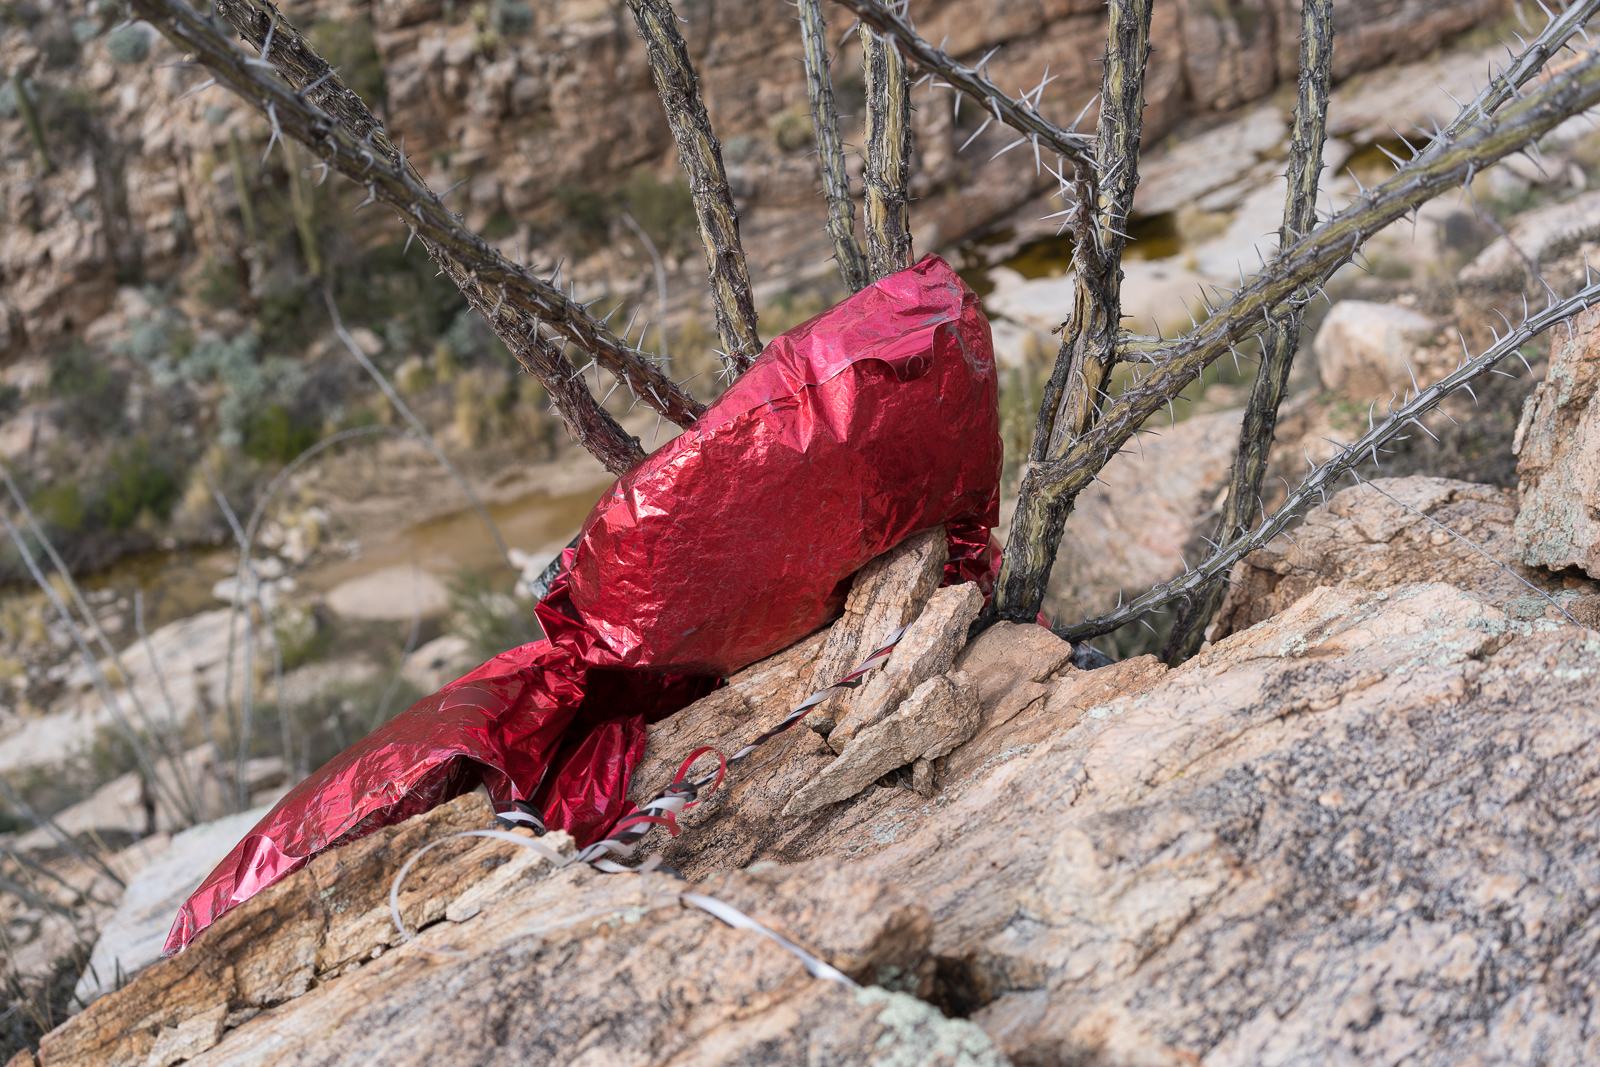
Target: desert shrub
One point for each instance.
(301, 636)
(91, 391)
(218, 285)
(60, 504)
(482, 401)
(254, 385)
(511, 18)
(665, 210)
(470, 342)
(275, 434)
(403, 292)
(499, 225)
(129, 45)
(793, 130)
(59, 46)
(67, 111)
(137, 482)
(585, 214)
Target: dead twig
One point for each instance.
(661, 283)
(184, 801)
(48, 824)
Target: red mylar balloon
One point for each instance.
(874, 420)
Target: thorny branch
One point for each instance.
(530, 314)
(1304, 266)
(1088, 351)
(1076, 148)
(830, 150)
(888, 136)
(701, 154)
(1278, 344)
(1317, 485)
(1557, 32)
(1073, 395)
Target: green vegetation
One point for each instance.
(585, 214)
(137, 484)
(276, 435)
(302, 638)
(794, 129)
(92, 393)
(60, 505)
(129, 45)
(664, 209)
(219, 285)
(511, 18)
(20, 102)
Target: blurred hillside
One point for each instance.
(155, 261)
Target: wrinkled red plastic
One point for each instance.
(872, 421)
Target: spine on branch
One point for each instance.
(1279, 343)
(521, 307)
(591, 425)
(701, 155)
(830, 150)
(888, 136)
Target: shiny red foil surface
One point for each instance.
(868, 423)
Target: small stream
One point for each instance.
(178, 584)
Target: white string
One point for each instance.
(722, 910)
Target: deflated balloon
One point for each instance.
(870, 422)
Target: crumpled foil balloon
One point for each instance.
(872, 421)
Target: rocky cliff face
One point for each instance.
(545, 110)
(1356, 831)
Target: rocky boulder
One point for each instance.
(1558, 455)
(1397, 531)
(1368, 351)
(1129, 530)
(524, 961)
(1536, 238)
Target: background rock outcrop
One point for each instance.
(546, 108)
